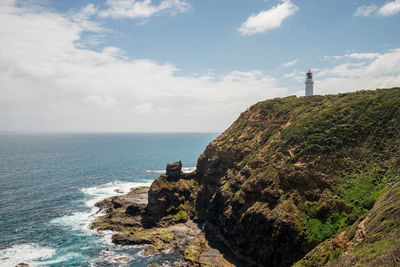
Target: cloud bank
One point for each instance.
(48, 81)
(358, 71)
(268, 19)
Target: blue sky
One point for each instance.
(207, 37)
(183, 65)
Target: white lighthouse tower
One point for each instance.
(309, 84)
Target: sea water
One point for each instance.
(49, 184)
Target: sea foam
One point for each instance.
(25, 253)
(184, 170)
(80, 221)
(97, 193)
(188, 169)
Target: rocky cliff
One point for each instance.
(305, 181)
(293, 172)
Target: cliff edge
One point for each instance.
(293, 172)
(289, 176)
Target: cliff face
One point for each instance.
(306, 181)
(292, 172)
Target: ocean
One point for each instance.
(49, 184)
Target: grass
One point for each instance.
(373, 252)
(355, 197)
(332, 156)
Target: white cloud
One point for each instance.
(383, 71)
(296, 75)
(269, 19)
(290, 63)
(365, 11)
(112, 51)
(49, 82)
(363, 55)
(143, 108)
(83, 19)
(143, 9)
(390, 8)
(355, 56)
(101, 101)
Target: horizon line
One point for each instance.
(103, 132)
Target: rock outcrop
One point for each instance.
(120, 215)
(159, 218)
(292, 172)
(171, 197)
(288, 179)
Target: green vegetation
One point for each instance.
(181, 214)
(355, 197)
(321, 229)
(378, 245)
(311, 167)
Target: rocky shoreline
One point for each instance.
(141, 218)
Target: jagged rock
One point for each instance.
(171, 200)
(120, 213)
(115, 260)
(136, 209)
(174, 171)
(122, 259)
(173, 237)
(138, 195)
(145, 236)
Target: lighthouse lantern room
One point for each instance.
(309, 84)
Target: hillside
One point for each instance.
(290, 178)
(373, 241)
(292, 172)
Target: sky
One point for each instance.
(183, 65)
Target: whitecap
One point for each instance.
(184, 170)
(31, 254)
(80, 221)
(97, 193)
(188, 169)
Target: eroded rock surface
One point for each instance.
(162, 224)
(123, 212)
(287, 175)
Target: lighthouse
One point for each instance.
(309, 84)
